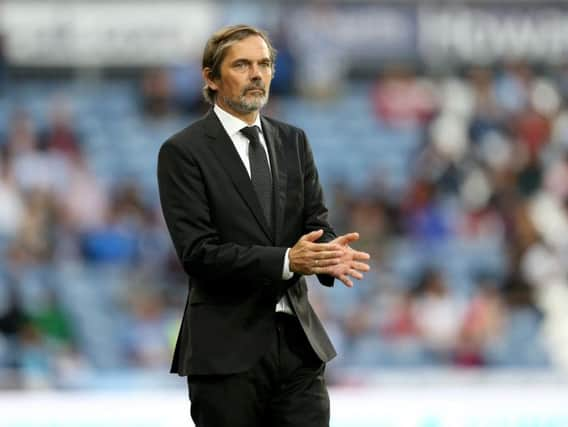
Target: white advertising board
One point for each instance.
(104, 33)
(492, 33)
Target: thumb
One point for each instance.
(347, 238)
(312, 236)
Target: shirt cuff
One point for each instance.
(286, 273)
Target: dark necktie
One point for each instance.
(259, 171)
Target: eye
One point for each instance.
(265, 64)
(240, 66)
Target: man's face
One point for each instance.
(246, 72)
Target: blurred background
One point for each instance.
(440, 131)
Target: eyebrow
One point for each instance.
(237, 60)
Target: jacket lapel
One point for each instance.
(227, 155)
(279, 176)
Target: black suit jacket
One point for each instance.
(233, 258)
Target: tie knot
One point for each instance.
(251, 132)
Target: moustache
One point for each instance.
(254, 86)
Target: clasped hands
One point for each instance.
(335, 258)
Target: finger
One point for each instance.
(360, 266)
(347, 238)
(355, 274)
(328, 262)
(326, 247)
(312, 236)
(361, 256)
(346, 281)
(321, 255)
(325, 267)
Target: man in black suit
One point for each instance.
(243, 205)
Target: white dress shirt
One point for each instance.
(233, 126)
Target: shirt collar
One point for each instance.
(232, 124)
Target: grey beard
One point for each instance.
(242, 105)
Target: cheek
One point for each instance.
(235, 86)
(268, 78)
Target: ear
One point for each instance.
(206, 73)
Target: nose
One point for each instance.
(255, 73)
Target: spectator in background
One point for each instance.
(51, 320)
(512, 87)
(185, 82)
(12, 320)
(85, 203)
(33, 165)
(11, 201)
(556, 177)
(21, 136)
(487, 114)
(438, 315)
(401, 99)
(284, 80)
(31, 353)
(117, 240)
(156, 93)
(36, 240)
(147, 334)
(532, 130)
(3, 65)
(35, 358)
(482, 325)
(424, 219)
(401, 322)
(562, 81)
(60, 135)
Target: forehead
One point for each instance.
(251, 47)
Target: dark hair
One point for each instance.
(216, 50)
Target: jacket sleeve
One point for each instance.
(315, 211)
(197, 242)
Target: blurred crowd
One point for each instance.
(488, 181)
(55, 212)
